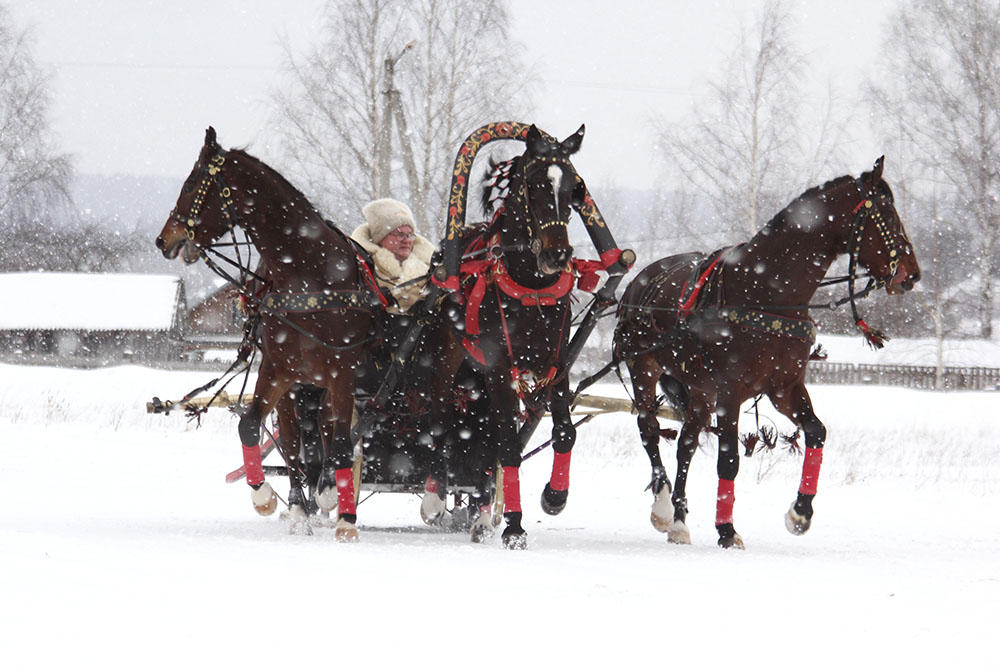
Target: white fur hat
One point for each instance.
(385, 215)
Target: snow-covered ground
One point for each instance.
(121, 545)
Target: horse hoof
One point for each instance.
(554, 502)
(264, 499)
(327, 499)
(346, 531)
(678, 533)
(661, 524)
(662, 514)
(796, 523)
(733, 541)
(515, 541)
(432, 508)
(298, 521)
(482, 529)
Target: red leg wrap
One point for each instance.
(560, 471)
(431, 485)
(345, 491)
(810, 470)
(724, 502)
(511, 489)
(253, 466)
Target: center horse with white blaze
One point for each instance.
(315, 316)
(716, 331)
(511, 318)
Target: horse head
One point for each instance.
(204, 210)
(878, 240)
(543, 200)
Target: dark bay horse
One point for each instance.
(713, 332)
(316, 312)
(512, 324)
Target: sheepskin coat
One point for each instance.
(390, 272)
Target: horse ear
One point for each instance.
(571, 144)
(877, 170)
(536, 142)
(210, 138)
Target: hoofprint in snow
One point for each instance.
(120, 541)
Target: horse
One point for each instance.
(512, 324)
(316, 315)
(715, 331)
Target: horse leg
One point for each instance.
(504, 408)
(266, 394)
(645, 373)
(797, 406)
(433, 505)
(486, 457)
(307, 404)
(288, 443)
(697, 399)
(336, 483)
(483, 526)
(687, 445)
(556, 491)
(728, 466)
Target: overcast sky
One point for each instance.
(135, 82)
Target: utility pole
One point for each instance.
(392, 111)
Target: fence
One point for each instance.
(818, 372)
(914, 377)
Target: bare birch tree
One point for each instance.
(34, 177)
(745, 151)
(364, 80)
(944, 60)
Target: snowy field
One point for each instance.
(121, 545)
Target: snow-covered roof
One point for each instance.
(88, 301)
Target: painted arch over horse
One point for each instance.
(715, 331)
(508, 312)
(315, 315)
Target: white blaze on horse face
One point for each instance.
(555, 175)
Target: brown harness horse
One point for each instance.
(316, 313)
(512, 324)
(716, 331)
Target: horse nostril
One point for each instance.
(561, 256)
(160, 242)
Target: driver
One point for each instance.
(402, 257)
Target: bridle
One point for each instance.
(520, 198)
(866, 211)
(211, 174)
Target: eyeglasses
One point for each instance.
(402, 236)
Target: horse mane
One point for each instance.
(276, 175)
(782, 217)
(489, 182)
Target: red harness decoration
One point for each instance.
(582, 273)
(687, 306)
